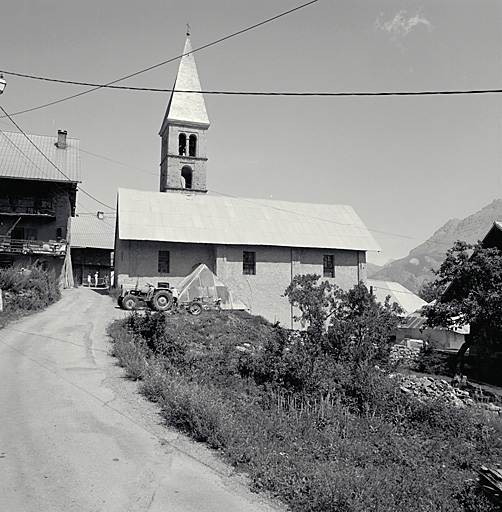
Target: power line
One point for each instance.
(258, 93)
(120, 163)
(276, 208)
(320, 218)
(109, 84)
(50, 161)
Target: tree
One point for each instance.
(360, 328)
(346, 325)
(429, 292)
(471, 280)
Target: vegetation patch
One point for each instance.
(25, 290)
(312, 416)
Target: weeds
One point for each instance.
(319, 433)
(26, 290)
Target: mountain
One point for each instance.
(416, 269)
(372, 268)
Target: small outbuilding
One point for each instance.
(91, 244)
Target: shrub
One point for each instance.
(27, 290)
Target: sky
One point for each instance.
(405, 164)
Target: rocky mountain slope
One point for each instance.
(416, 269)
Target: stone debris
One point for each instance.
(428, 388)
(461, 394)
(403, 355)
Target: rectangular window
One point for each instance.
(163, 262)
(328, 265)
(248, 263)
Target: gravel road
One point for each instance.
(76, 436)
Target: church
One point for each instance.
(254, 246)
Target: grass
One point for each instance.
(362, 446)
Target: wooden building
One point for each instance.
(37, 199)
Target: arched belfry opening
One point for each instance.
(182, 144)
(192, 145)
(186, 174)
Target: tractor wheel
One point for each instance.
(129, 302)
(119, 301)
(162, 300)
(195, 308)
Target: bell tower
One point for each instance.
(183, 164)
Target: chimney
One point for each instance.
(101, 215)
(61, 143)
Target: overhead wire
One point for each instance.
(109, 84)
(89, 212)
(252, 93)
(257, 201)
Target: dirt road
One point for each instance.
(76, 436)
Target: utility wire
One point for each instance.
(264, 93)
(120, 163)
(109, 84)
(273, 207)
(257, 93)
(320, 218)
(50, 161)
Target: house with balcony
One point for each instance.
(39, 176)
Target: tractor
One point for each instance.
(159, 298)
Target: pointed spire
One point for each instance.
(187, 107)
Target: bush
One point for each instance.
(27, 290)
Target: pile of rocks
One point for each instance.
(428, 388)
(403, 355)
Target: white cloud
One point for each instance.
(402, 24)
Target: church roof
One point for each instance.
(186, 107)
(20, 159)
(201, 218)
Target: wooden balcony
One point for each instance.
(48, 248)
(27, 206)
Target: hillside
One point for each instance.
(416, 269)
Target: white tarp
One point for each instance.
(202, 283)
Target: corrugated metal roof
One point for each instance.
(398, 293)
(416, 321)
(201, 218)
(187, 107)
(89, 231)
(20, 159)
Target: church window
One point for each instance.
(249, 263)
(182, 144)
(163, 266)
(186, 174)
(192, 145)
(328, 265)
